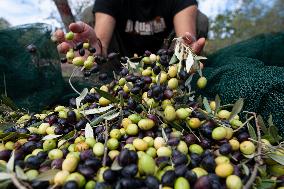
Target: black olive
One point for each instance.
(156, 70)
(20, 163)
(58, 130)
(243, 136)
(208, 163)
(168, 94)
(133, 157)
(56, 164)
(183, 75)
(86, 155)
(5, 155)
(63, 60)
(29, 146)
(109, 176)
(206, 130)
(100, 60)
(180, 170)
(94, 163)
(156, 90)
(88, 172)
(10, 129)
(81, 124)
(135, 90)
(152, 182)
(168, 178)
(33, 162)
(124, 72)
(225, 149)
(180, 159)
(71, 116)
(70, 185)
(87, 73)
(173, 141)
(147, 79)
(23, 131)
(123, 157)
(205, 143)
(37, 184)
(202, 182)
(95, 68)
(129, 170)
(190, 176)
(103, 185)
(189, 139)
(92, 50)
(82, 52)
(78, 46)
(19, 154)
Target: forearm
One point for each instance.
(185, 21)
(104, 27)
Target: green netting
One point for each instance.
(33, 80)
(253, 70)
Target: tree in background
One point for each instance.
(253, 17)
(4, 23)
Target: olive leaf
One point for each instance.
(251, 132)
(200, 58)
(218, 104)
(101, 118)
(278, 158)
(262, 124)
(5, 176)
(111, 117)
(245, 169)
(47, 175)
(238, 106)
(5, 184)
(10, 164)
(37, 124)
(273, 131)
(189, 62)
(199, 100)
(115, 165)
(173, 60)
(97, 110)
(266, 184)
(69, 135)
(51, 136)
(189, 79)
(4, 126)
(81, 97)
(164, 135)
(89, 133)
(20, 173)
(106, 95)
(206, 105)
(270, 121)
(159, 79)
(9, 136)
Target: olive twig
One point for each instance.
(258, 156)
(16, 182)
(248, 120)
(105, 144)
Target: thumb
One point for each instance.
(78, 27)
(198, 45)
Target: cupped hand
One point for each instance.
(82, 33)
(196, 45)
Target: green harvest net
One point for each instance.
(33, 78)
(253, 70)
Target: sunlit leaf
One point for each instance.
(262, 124)
(206, 105)
(278, 158)
(173, 60)
(245, 169)
(68, 136)
(81, 97)
(111, 117)
(97, 110)
(51, 136)
(106, 95)
(89, 133)
(5, 176)
(238, 106)
(189, 62)
(101, 118)
(218, 104)
(47, 175)
(20, 173)
(251, 132)
(10, 164)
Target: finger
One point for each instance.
(63, 47)
(77, 27)
(59, 35)
(198, 45)
(188, 38)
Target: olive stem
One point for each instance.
(105, 144)
(244, 124)
(258, 156)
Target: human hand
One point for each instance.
(82, 33)
(196, 45)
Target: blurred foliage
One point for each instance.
(250, 18)
(4, 23)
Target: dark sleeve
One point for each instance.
(109, 7)
(179, 5)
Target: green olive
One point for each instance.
(32, 174)
(182, 113)
(90, 141)
(49, 145)
(112, 144)
(223, 170)
(62, 114)
(70, 164)
(113, 153)
(132, 129)
(9, 145)
(235, 144)
(88, 64)
(60, 177)
(201, 82)
(140, 144)
(159, 142)
(222, 159)
(146, 60)
(98, 149)
(195, 148)
(172, 72)
(173, 83)
(77, 177)
(104, 102)
(182, 147)
(42, 128)
(135, 118)
(78, 61)
(90, 184)
(234, 182)
(146, 124)
(199, 171)
(153, 58)
(164, 151)
(146, 165)
(194, 123)
(69, 36)
(122, 81)
(151, 152)
(219, 133)
(224, 114)
(125, 122)
(170, 113)
(70, 55)
(247, 147)
(55, 154)
(163, 77)
(181, 183)
(149, 140)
